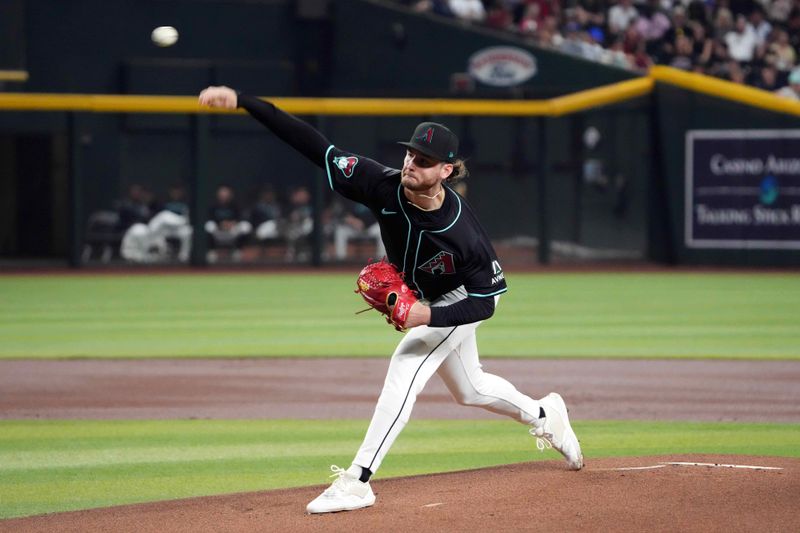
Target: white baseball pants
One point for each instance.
(453, 353)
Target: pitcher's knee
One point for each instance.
(472, 398)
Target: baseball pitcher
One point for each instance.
(440, 280)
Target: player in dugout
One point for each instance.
(445, 259)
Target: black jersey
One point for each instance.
(439, 250)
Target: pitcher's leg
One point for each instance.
(470, 385)
(548, 417)
(415, 360)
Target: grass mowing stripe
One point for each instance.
(49, 466)
(543, 315)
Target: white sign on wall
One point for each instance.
(502, 66)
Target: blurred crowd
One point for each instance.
(143, 229)
(753, 42)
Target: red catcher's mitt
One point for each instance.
(382, 287)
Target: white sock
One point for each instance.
(354, 471)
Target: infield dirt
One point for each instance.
(523, 497)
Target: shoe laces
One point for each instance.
(341, 482)
(544, 440)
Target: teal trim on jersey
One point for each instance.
(501, 291)
(408, 237)
(454, 220)
(419, 242)
(327, 167)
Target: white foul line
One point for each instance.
(719, 465)
(713, 465)
(636, 467)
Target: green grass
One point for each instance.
(544, 315)
(50, 466)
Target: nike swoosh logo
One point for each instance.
(385, 212)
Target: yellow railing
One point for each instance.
(572, 103)
(725, 89)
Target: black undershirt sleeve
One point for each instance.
(298, 134)
(466, 311)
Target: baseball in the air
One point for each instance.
(164, 36)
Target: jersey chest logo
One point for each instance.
(346, 164)
(441, 263)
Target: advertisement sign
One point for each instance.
(502, 66)
(743, 189)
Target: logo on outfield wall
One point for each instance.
(742, 189)
(502, 66)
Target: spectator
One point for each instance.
(265, 216)
(356, 221)
(135, 207)
(620, 16)
(641, 59)
(471, 10)
(680, 27)
(737, 42)
(780, 53)
(630, 40)
(761, 27)
(682, 58)
(723, 23)
(171, 224)
(741, 41)
(154, 240)
(766, 78)
(702, 47)
(719, 53)
(299, 224)
(532, 15)
(590, 49)
(438, 7)
(225, 226)
(791, 91)
(779, 10)
(793, 28)
(652, 23)
(589, 14)
(548, 33)
(176, 200)
(498, 16)
(531, 19)
(696, 12)
(736, 73)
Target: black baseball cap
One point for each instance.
(434, 140)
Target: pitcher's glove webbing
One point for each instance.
(382, 287)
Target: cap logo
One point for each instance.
(426, 137)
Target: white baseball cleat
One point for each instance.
(347, 493)
(555, 431)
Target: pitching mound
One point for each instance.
(620, 494)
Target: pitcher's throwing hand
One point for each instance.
(221, 97)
